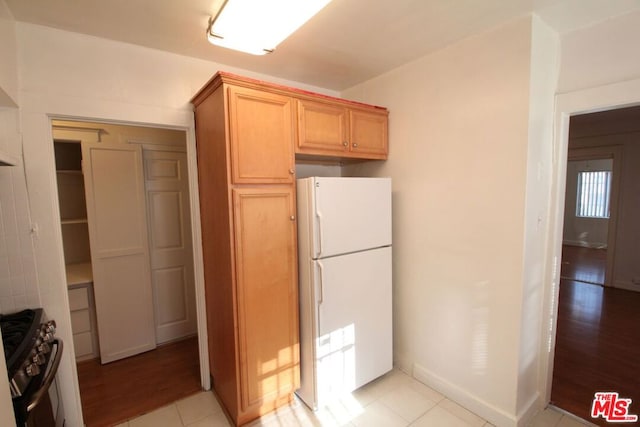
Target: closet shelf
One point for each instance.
(74, 221)
(79, 274)
(69, 171)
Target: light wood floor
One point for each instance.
(598, 337)
(127, 388)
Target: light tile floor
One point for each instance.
(395, 400)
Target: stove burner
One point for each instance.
(23, 331)
(14, 329)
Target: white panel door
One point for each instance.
(351, 214)
(114, 186)
(354, 343)
(170, 247)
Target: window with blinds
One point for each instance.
(594, 188)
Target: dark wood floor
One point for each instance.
(122, 390)
(583, 264)
(598, 338)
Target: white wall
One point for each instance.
(601, 54)
(544, 69)
(18, 281)
(66, 74)
(459, 131)
(305, 170)
(9, 62)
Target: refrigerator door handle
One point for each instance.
(319, 231)
(320, 292)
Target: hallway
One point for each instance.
(598, 339)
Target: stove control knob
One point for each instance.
(39, 359)
(50, 327)
(32, 370)
(46, 336)
(44, 348)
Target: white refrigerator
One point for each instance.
(344, 244)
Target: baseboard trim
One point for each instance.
(473, 403)
(530, 410)
(624, 284)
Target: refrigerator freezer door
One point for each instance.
(354, 343)
(351, 214)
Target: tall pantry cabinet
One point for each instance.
(248, 135)
(246, 169)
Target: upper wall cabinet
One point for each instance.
(368, 133)
(261, 128)
(322, 128)
(333, 128)
(297, 124)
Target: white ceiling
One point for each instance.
(348, 42)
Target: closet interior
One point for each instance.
(125, 220)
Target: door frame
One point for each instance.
(188, 128)
(613, 152)
(600, 98)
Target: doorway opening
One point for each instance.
(597, 348)
(124, 214)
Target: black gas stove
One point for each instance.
(32, 354)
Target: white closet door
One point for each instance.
(170, 247)
(114, 186)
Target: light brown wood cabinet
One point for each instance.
(247, 201)
(322, 128)
(368, 133)
(247, 136)
(267, 294)
(337, 129)
(261, 133)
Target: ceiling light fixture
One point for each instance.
(258, 26)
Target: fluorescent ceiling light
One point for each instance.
(258, 26)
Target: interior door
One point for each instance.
(116, 212)
(168, 214)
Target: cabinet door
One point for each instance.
(261, 130)
(267, 295)
(369, 134)
(322, 128)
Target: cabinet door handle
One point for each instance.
(345, 143)
(292, 217)
(355, 145)
(291, 171)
